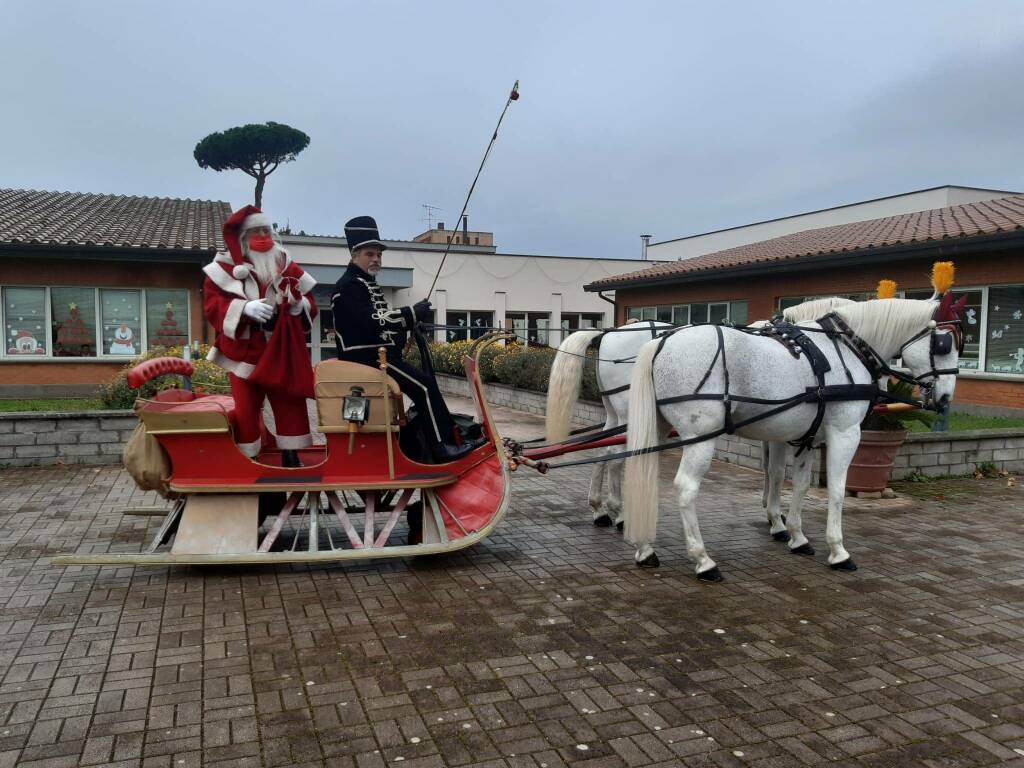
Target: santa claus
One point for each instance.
(245, 293)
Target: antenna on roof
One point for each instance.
(431, 214)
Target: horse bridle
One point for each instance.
(939, 344)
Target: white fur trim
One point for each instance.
(252, 450)
(233, 317)
(306, 283)
(240, 369)
(254, 220)
(291, 442)
(241, 271)
(222, 279)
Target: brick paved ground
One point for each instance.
(542, 647)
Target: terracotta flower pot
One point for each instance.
(872, 463)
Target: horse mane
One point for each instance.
(886, 324)
(814, 309)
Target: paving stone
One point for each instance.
(479, 658)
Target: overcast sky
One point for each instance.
(669, 118)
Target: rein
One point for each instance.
(796, 340)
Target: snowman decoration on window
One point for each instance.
(124, 341)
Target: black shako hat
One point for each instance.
(362, 230)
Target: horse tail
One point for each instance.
(764, 468)
(640, 479)
(564, 383)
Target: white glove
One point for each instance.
(258, 311)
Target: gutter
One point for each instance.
(936, 248)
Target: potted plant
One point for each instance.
(881, 435)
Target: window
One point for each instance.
(718, 312)
(167, 318)
(83, 322)
(970, 359)
(122, 329)
(73, 317)
(573, 321)
(1004, 334)
(467, 324)
(25, 321)
(533, 326)
(686, 314)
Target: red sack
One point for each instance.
(284, 365)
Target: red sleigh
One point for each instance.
(343, 503)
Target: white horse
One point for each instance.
(760, 367)
(616, 354)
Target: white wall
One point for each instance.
(483, 281)
(711, 242)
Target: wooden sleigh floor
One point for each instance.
(320, 526)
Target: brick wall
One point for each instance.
(59, 376)
(85, 437)
(762, 293)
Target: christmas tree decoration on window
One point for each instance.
(169, 334)
(73, 337)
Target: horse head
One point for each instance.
(933, 355)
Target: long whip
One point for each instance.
(513, 96)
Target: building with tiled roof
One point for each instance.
(984, 238)
(87, 281)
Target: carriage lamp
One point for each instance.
(354, 408)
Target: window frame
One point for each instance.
(100, 356)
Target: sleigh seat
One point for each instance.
(177, 411)
(336, 379)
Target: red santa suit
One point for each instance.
(231, 282)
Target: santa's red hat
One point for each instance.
(241, 220)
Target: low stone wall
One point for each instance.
(82, 437)
(585, 411)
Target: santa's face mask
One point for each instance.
(261, 243)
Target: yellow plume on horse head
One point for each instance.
(942, 277)
(886, 289)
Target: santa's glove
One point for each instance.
(421, 309)
(258, 311)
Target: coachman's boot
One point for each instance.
(290, 459)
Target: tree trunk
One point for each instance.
(260, 181)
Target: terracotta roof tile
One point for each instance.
(1005, 214)
(76, 219)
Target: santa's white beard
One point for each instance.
(267, 265)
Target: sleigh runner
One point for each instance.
(346, 500)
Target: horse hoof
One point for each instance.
(651, 561)
(602, 521)
(711, 575)
(620, 524)
(803, 549)
(845, 565)
(781, 536)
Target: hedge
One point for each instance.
(511, 365)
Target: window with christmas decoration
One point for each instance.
(167, 317)
(25, 321)
(1004, 339)
(122, 329)
(970, 318)
(73, 317)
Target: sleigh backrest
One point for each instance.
(334, 382)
